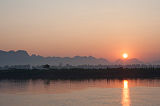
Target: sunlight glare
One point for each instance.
(125, 55)
(125, 94)
(125, 82)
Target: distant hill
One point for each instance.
(156, 62)
(21, 57)
(128, 61)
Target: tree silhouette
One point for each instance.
(46, 66)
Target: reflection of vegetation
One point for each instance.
(81, 73)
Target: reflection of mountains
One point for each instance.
(21, 57)
(66, 86)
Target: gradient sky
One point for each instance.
(101, 28)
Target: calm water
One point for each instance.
(80, 93)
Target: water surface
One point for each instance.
(103, 92)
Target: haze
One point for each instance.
(101, 28)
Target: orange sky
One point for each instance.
(101, 28)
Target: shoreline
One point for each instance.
(108, 73)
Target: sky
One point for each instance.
(101, 28)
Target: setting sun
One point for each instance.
(125, 55)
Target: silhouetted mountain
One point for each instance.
(21, 57)
(128, 61)
(155, 62)
(13, 57)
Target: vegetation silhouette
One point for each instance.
(78, 73)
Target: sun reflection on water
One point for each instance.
(125, 94)
(125, 84)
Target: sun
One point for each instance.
(125, 55)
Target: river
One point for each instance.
(100, 92)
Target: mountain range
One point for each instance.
(128, 61)
(21, 57)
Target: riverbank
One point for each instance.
(81, 73)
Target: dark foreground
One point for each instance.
(81, 73)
